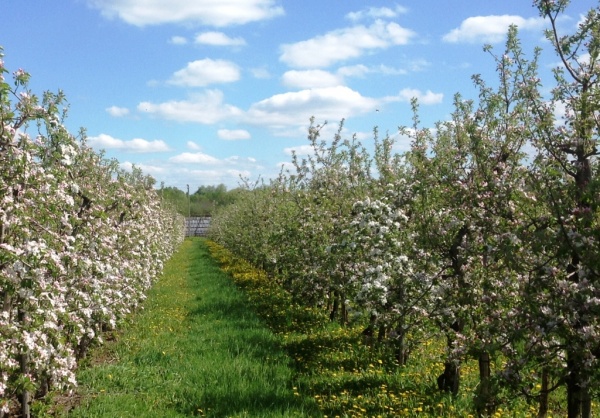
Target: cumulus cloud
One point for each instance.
(207, 71)
(218, 13)
(260, 73)
(358, 70)
(424, 98)
(286, 166)
(310, 78)
(104, 141)
(194, 158)
(377, 13)
(233, 135)
(218, 39)
(490, 29)
(296, 108)
(230, 177)
(193, 146)
(300, 150)
(117, 111)
(178, 40)
(153, 170)
(198, 168)
(361, 70)
(418, 64)
(344, 44)
(241, 161)
(205, 108)
(306, 79)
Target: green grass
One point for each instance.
(346, 376)
(229, 342)
(195, 350)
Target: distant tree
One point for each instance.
(207, 198)
(177, 198)
(201, 203)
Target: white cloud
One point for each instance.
(117, 111)
(194, 158)
(361, 70)
(233, 135)
(300, 150)
(260, 73)
(217, 13)
(241, 161)
(310, 78)
(479, 29)
(229, 177)
(306, 79)
(286, 166)
(205, 108)
(178, 40)
(193, 146)
(197, 168)
(427, 98)
(343, 44)
(104, 141)
(418, 64)
(377, 13)
(295, 108)
(218, 39)
(585, 58)
(152, 170)
(207, 71)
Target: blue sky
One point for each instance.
(200, 92)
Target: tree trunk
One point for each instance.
(336, 305)
(369, 332)
(24, 396)
(381, 333)
(543, 408)
(344, 313)
(484, 400)
(579, 403)
(401, 350)
(449, 381)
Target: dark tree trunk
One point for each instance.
(381, 333)
(484, 400)
(449, 381)
(579, 403)
(335, 308)
(369, 331)
(543, 408)
(344, 312)
(25, 395)
(401, 350)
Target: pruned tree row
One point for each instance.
(485, 234)
(80, 243)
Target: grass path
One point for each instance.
(195, 350)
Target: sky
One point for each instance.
(201, 92)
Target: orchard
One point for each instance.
(80, 243)
(484, 235)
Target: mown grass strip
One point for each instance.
(195, 350)
(348, 376)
